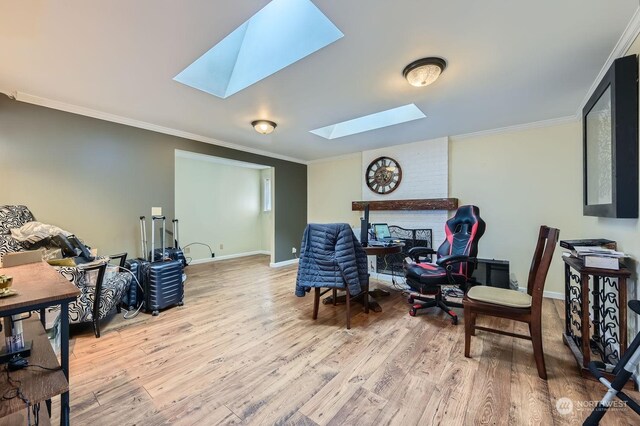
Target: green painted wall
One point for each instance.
(95, 178)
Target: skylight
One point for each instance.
(281, 33)
(378, 120)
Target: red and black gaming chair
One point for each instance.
(454, 265)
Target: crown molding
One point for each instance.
(88, 112)
(519, 127)
(625, 41)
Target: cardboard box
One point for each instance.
(21, 258)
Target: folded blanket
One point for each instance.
(32, 232)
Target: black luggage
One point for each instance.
(163, 276)
(132, 299)
(135, 296)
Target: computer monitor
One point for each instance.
(381, 231)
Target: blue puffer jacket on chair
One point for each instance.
(331, 256)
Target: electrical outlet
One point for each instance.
(187, 250)
(293, 250)
(221, 246)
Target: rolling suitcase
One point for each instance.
(164, 286)
(135, 296)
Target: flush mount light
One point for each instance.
(424, 71)
(264, 126)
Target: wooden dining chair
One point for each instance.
(515, 305)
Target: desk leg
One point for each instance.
(64, 355)
(44, 326)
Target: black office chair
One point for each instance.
(454, 265)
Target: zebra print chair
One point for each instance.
(84, 309)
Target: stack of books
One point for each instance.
(601, 254)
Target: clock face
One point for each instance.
(383, 175)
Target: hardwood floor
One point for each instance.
(244, 349)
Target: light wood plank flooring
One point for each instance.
(244, 349)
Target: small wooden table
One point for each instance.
(39, 286)
(606, 334)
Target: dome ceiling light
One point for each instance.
(424, 71)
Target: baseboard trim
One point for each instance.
(284, 263)
(547, 294)
(553, 295)
(228, 256)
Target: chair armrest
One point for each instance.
(121, 256)
(77, 274)
(455, 258)
(415, 252)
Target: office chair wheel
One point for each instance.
(181, 303)
(454, 320)
(410, 300)
(413, 312)
(155, 313)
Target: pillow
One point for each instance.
(32, 232)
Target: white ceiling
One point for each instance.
(509, 63)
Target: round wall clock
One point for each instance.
(383, 175)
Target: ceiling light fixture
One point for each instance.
(424, 71)
(264, 126)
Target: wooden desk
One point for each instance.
(381, 251)
(40, 286)
(376, 293)
(606, 334)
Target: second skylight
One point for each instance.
(374, 121)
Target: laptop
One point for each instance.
(381, 232)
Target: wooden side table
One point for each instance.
(595, 313)
(40, 286)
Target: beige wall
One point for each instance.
(213, 212)
(332, 185)
(521, 180)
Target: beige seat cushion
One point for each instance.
(500, 296)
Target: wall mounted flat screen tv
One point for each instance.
(610, 143)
